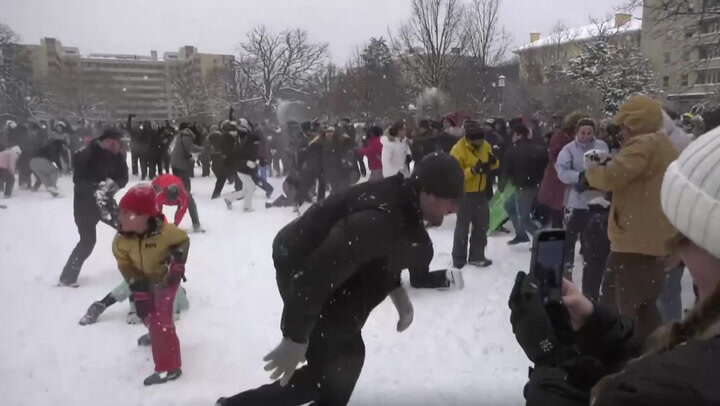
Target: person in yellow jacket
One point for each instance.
(638, 230)
(477, 161)
(151, 255)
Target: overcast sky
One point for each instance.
(217, 26)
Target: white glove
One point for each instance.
(251, 164)
(284, 359)
(596, 157)
(404, 308)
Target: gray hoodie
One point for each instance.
(570, 162)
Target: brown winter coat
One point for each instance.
(552, 190)
(634, 176)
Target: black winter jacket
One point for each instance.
(524, 164)
(92, 165)
(54, 151)
(343, 256)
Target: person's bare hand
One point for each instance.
(579, 307)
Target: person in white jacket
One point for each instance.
(395, 151)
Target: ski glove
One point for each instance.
(404, 308)
(143, 304)
(284, 359)
(251, 164)
(582, 185)
(530, 322)
(596, 157)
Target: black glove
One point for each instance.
(531, 324)
(582, 185)
(481, 167)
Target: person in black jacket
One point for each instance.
(334, 265)
(338, 160)
(523, 167)
(244, 161)
(153, 158)
(99, 166)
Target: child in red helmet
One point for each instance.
(151, 255)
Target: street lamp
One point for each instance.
(501, 86)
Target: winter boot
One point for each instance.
(162, 377)
(481, 263)
(144, 340)
(518, 240)
(92, 314)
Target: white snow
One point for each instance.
(583, 33)
(460, 349)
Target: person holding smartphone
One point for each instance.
(679, 363)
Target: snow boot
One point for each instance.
(518, 240)
(144, 340)
(481, 263)
(162, 377)
(92, 314)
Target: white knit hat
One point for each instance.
(691, 192)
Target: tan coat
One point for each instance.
(637, 223)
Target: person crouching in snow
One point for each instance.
(171, 192)
(151, 256)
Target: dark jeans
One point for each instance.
(154, 163)
(473, 211)
(134, 161)
(633, 283)
(262, 183)
(192, 207)
(220, 184)
(7, 181)
(670, 302)
(24, 171)
(86, 223)
(596, 248)
(574, 227)
(519, 207)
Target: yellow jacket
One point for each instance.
(145, 257)
(637, 223)
(468, 156)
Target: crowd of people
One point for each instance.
(617, 188)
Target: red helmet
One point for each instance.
(141, 199)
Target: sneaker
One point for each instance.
(162, 377)
(228, 203)
(68, 284)
(92, 314)
(482, 263)
(132, 318)
(144, 340)
(198, 229)
(518, 240)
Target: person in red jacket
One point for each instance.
(373, 152)
(171, 192)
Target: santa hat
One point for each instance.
(691, 192)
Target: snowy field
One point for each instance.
(460, 350)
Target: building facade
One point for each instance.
(111, 86)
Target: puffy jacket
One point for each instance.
(552, 190)
(637, 223)
(145, 257)
(182, 154)
(92, 165)
(468, 156)
(373, 152)
(394, 157)
(246, 154)
(524, 164)
(9, 157)
(569, 165)
(161, 183)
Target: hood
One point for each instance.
(641, 115)
(15, 150)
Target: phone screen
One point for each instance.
(549, 260)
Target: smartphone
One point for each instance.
(548, 260)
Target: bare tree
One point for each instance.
(431, 43)
(277, 62)
(488, 41)
(189, 96)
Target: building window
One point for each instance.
(684, 80)
(708, 77)
(667, 58)
(710, 26)
(666, 82)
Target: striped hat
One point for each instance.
(691, 192)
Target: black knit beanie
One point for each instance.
(440, 175)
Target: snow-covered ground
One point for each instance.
(460, 350)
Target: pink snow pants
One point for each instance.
(165, 343)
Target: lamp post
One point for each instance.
(501, 86)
